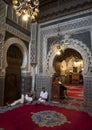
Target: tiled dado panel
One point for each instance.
(26, 84)
(2, 82)
(43, 81)
(88, 91)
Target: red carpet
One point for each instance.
(75, 91)
(20, 119)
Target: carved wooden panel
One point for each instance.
(12, 84)
(55, 91)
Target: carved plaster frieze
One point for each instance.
(71, 26)
(14, 31)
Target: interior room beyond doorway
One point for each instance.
(68, 67)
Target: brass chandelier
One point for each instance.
(28, 9)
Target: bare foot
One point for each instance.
(9, 105)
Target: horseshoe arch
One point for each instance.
(20, 44)
(72, 44)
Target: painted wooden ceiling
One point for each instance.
(52, 9)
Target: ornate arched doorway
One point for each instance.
(15, 63)
(74, 44)
(67, 45)
(13, 74)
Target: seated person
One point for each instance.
(43, 96)
(29, 97)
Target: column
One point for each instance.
(33, 76)
(33, 52)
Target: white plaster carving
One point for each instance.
(14, 31)
(76, 45)
(67, 28)
(20, 44)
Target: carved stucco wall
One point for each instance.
(73, 44)
(20, 44)
(70, 26)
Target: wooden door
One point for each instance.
(13, 75)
